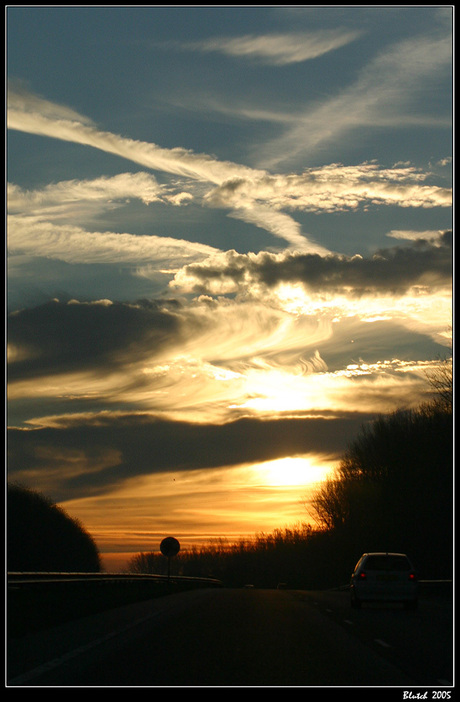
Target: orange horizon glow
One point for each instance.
(200, 506)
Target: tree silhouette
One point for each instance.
(42, 537)
(441, 381)
(393, 488)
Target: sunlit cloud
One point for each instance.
(22, 100)
(32, 236)
(433, 237)
(388, 272)
(142, 186)
(46, 223)
(28, 117)
(189, 361)
(334, 188)
(199, 392)
(216, 360)
(383, 386)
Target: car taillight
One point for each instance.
(362, 576)
(412, 576)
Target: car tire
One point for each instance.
(412, 604)
(355, 603)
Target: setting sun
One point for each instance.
(293, 470)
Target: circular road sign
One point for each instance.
(170, 546)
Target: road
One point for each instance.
(247, 637)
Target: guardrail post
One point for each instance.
(169, 547)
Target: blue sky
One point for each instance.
(226, 226)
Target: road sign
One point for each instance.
(170, 547)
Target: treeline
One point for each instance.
(42, 537)
(295, 557)
(392, 491)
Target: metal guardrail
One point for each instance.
(16, 579)
(420, 582)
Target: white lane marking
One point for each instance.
(382, 643)
(348, 621)
(56, 662)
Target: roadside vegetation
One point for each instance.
(42, 537)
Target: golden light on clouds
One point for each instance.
(276, 371)
(199, 392)
(219, 265)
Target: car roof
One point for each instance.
(383, 553)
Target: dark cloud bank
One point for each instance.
(389, 271)
(144, 445)
(57, 337)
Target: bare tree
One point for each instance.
(441, 381)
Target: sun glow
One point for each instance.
(292, 470)
(418, 304)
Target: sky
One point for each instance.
(229, 248)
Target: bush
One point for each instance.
(42, 537)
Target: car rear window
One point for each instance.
(387, 563)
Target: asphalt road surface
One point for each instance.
(243, 638)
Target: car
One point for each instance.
(384, 577)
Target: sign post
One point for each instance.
(169, 547)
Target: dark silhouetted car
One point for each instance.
(384, 577)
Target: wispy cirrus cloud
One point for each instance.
(123, 186)
(383, 96)
(277, 49)
(434, 237)
(46, 223)
(252, 195)
(34, 115)
(33, 237)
